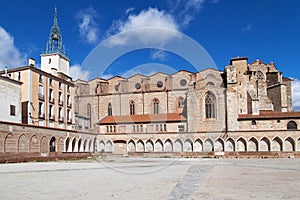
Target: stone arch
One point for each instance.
(208, 145)
(219, 145)
(131, 146)
(80, 146)
(289, 144)
(74, 145)
(34, 144)
(210, 84)
(101, 146)
(94, 147)
(44, 145)
(230, 145)
(52, 144)
(109, 146)
(85, 146)
(23, 143)
(168, 147)
(89, 145)
(10, 143)
(277, 144)
(198, 145)
(298, 144)
(178, 145)
(188, 145)
(67, 145)
(60, 145)
(149, 147)
(253, 144)
(241, 144)
(140, 147)
(264, 144)
(210, 76)
(158, 147)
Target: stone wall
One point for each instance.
(27, 138)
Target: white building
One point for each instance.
(10, 98)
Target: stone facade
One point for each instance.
(246, 107)
(47, 99)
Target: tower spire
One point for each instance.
(55, 17)
(55, 44)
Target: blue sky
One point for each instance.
(268, 30)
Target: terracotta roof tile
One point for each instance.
(265, 114)
(171, 117)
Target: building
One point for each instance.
(241, 110)
(47, 93)
(10, 98)
(246, 107)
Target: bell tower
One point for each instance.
(54, 59)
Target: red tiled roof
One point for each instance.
(265, 114)
(171, 117)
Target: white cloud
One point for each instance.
(185, 10)
(88, 27)
(159, 55)
(10, 56)
(143, 22)
(296, 94)
(129, 10)
(76, 72)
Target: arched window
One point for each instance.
(210, 105)
(131, 107)
(52, 144)
(155, 106)
(292, 125)
(180, 102)
(88, 110)
(109, 110)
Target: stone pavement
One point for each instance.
(152, 178)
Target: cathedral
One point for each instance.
(244, 108)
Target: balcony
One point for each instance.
(52, 117)
(41, 97)
(60, 119)
(60, 102)
(41, 115)
(51, 100)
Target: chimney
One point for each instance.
(31, 62)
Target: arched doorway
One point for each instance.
(52, 147)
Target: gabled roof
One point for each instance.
(148, 118)
(257, 61)
(158, 73)
(137, 75)
(115, 77)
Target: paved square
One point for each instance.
(152, 178)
